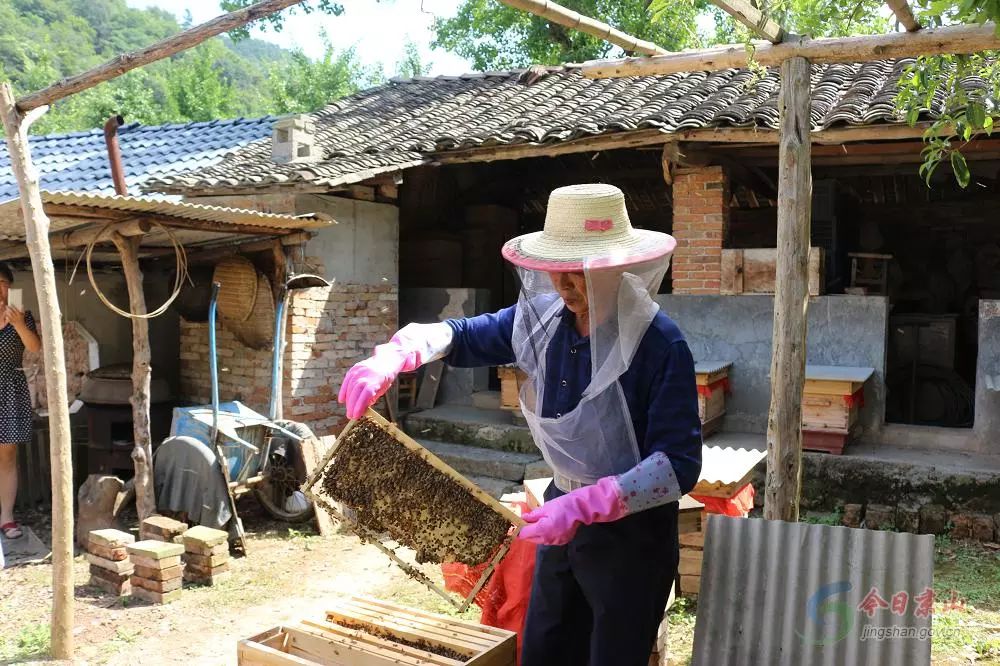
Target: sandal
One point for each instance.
(11, 530)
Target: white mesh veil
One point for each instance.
(596, 438)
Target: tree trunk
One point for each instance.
(142, 452)
(36, 230)
(791, 297)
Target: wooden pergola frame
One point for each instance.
(17, 117)
(793, 54)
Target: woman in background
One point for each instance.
(17, 333)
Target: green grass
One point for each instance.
(971, 574)
(821, 518)
(32, 642)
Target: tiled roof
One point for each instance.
(78, 162)
(402, 123)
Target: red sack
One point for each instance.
(504, 598)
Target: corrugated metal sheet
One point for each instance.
(12, 227)
(709, 367)
(726, 467)
(777, 593)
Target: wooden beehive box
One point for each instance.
(712, 378)
(752, 271)
(367, 632)
(406, 501)
(511, 379)
(831, 405)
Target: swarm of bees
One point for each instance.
(391, 489)
(394, 637)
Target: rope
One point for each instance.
(180, 274)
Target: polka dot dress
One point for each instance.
(15, 401)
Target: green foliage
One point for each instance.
(46, 40)
(276, 21)
(495, 36)
(31, 642)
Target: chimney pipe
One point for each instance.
(115, 153)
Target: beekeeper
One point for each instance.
(611, 402)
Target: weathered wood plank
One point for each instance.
(791, 299)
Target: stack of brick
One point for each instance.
(158, 574)
(110, 566)
(206, 555)
(161, 528)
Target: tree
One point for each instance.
(411, 64)
(305, 85)
(276, 20)
(494, 36)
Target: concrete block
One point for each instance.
(205, 536)
(119, 566)
(109, 576)
(143, 594)
(150, 563)
(933, 519)
(116, 554)
(853, 514)
(204, 561)
(155, 550)
(161, 528)
(475, 461)
(538, 470)
(195, 579)
(961, 526)
(880, 517)
(152, 573)
(161, 586)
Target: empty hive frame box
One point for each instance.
(360, 631)
(398, 496)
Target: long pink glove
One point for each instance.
(409, 348)
(555, 522)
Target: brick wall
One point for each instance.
(701, 222)
(328, 330)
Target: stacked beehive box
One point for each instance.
(831, 405)
(110, 566)
(158, 574)
(161, 528)
(712, 378)
(206, 555)
(691, 533)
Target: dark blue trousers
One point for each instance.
(599, 600)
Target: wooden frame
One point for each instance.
(361, 630)
(320, 498)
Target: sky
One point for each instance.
(378, 29)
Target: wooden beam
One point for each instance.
(956, 39)
(62, 240)
(753, 18)
(550, 11)
(36, 229)
(142, 450)
(791, 297)
(162, 49)
(901, 8)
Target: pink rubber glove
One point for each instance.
(368, 380)
(555, 522)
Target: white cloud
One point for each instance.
(377, 30)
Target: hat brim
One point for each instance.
(534, 252)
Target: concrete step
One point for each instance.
(484, 428)
(486, 399)
(496, 488)
(476, 461)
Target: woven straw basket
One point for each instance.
(257, 330)
(237, 280)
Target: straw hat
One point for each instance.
(587, 223)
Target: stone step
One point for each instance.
(496, 488)
(476, 461)
(484, 428)
(486, 399)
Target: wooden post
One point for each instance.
(142, 450)
(36, 231)
(791, 296)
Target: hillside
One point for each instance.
(43, 41)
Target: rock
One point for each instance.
(908, 519)
(880, 517)
(933, 519)
(853, 514)
(961, 526)
(96, 505)
(982, 528)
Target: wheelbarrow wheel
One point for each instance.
(285, 476)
